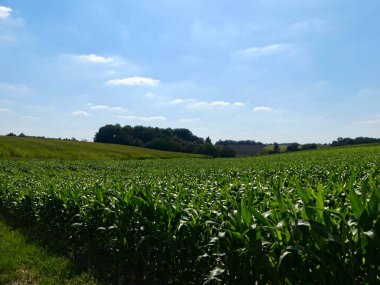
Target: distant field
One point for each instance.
(249, 150)
(269, 148)
(38, 148)
(246, 150)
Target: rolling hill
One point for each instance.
(40, 148)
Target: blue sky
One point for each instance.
(289, 70)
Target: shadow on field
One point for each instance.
(82, 260)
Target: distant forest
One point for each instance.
(243, 142)
(350, 141)
(180, 140)
(183, 140)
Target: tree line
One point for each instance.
(178, 140)
(349, 141)
(183, 140)
(242, 142)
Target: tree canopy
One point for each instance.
(180, 140)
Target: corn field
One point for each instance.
(300, 218)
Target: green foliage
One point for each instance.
(292, 147)
(177, 140)
(24, 262)
(27, 147)
(359, 140)
(293, 218)
(309, 146)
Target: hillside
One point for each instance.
(245, 149)
(39, 148)
(249, 150)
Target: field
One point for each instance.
(38, 148)
(269, 148)
(309, 217)
(246, 150)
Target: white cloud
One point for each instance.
(118, 109)
(189, 120)
(195, 104)
(105, 107)
(134, 81)
(205, 104)
(177, 101)
(258, 51)
(5, 110)
(239, 104)
(99, 107)
(107, 65)
(27, 117)
(5, 12)
(95, 58)
(80, 113)
(262, 109)
(219, 103)
(149, 95)
(142, 118)
(12, 32)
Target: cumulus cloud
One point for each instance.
(109, 66)
(197, 104)
(80, 113)
(205, 104)
(142, 118)
(134, 81)
(266, 50)
(5, 12)
(95, 58)
(262, 109)
(219, 103)
(177, 101)
(106, 108)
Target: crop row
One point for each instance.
(310, 217)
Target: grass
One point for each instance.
(269, 148)
(24, 262)
(38, 148)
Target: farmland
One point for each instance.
(311, 217)
(39, 148)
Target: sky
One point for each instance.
(265, 70)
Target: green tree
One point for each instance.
(276, 148)
(292, 147)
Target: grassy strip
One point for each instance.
(24, 262)
(38, 148)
